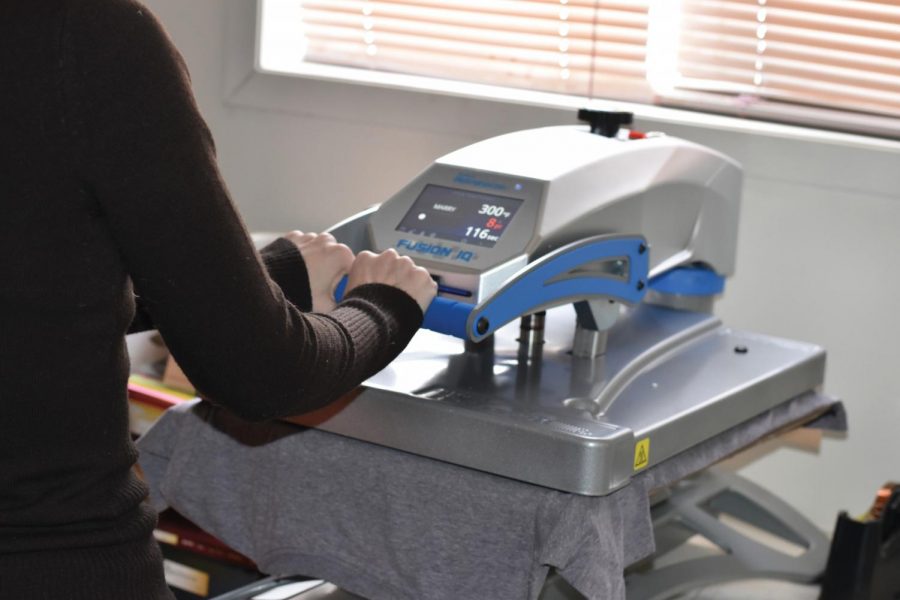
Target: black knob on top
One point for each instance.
(605, 122)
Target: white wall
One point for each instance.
(819, 237)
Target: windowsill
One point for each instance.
(475, 111)
(487, 93)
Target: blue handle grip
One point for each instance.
(448, 316)
(443, 315)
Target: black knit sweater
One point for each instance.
(110, 199)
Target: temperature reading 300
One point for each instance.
(493, 210)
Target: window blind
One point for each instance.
(838, 54)
(578, 47)
(833, 63)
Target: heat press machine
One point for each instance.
(572, 344)
(635, 232)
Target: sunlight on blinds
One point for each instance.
(829, 62)
(564, 46)
(832, 53)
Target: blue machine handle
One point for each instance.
(563, 276)
(443, 315)
(549, 281)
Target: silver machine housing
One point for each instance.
(654, 377)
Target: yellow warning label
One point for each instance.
(642, 454)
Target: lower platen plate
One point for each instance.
(669, 380)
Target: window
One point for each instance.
(827, 62)
(830, 62)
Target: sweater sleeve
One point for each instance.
(284, 264)
(145, 155)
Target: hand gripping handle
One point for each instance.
(565, 275)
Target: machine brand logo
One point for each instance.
(466, 179)
(436, 250)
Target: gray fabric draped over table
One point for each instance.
(389, 525)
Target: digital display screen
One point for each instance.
(460, 215)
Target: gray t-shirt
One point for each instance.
(389, 525)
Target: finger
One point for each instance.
(300, 239)
(345, 255)
(365, 258)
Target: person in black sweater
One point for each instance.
(114, 218)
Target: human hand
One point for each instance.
(326, 262)
(392, 269)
